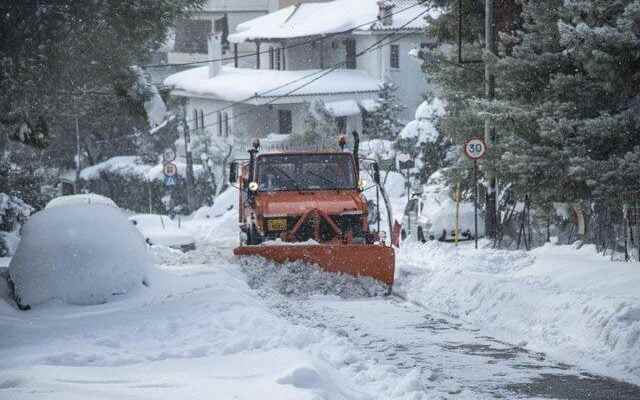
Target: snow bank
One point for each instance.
(133, 167)
(120, 165)
(301, 280)
(218, 223)
(572, 304)
(79, 255)
(439, 210)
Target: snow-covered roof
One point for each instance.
(314, 19)
(254, 86)
(343, 108)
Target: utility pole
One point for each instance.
(489, 129)
(189, 157)
(77, 182)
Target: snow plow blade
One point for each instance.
(375, 261)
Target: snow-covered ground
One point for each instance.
(573, 304)
(199, 331)
(209, 326)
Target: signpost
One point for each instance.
(475, 149)
(170, 170)
(169, 155)
(406, 162)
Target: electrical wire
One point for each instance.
(320, 74)
(254, 54)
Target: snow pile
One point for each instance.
(439, 209)
(80, 200)
(162, 230)
(79, 255)
(133, 167)
(301, 280)
(219, 222)
(573, 304)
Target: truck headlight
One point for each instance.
(253, 186)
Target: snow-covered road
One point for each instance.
(210, 326)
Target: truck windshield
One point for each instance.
(295, 172)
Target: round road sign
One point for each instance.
(170, 169)
(475, 148)
(168, 155)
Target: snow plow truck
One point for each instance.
(309, 206)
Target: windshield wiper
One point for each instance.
(333, 184)
(295, 184)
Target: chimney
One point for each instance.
(215, 54)
(385, 13)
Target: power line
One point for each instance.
(311, 75)
(314, 40)
(320, 74)
(324, 73)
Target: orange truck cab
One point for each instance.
(309, 206)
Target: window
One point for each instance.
(395, 56)
(278, 55)
(219, 123)
(201, 119)
(271, 58)
(305, 172)
(341, 122)
(195, 118)
(226, 124)
(350, 47)
(284, 119)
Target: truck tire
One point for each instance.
(253, 237)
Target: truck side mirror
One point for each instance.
(376, 173)
(233, 172)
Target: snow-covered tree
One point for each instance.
(568, 106)
(385, 122)
(59, 60)
(422, 141)
(320, 126)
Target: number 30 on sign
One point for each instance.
(475, 148)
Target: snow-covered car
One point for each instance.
(163, 231)
(431, 214)
(81, 199)
(78, 255)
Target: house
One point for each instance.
(337, 52)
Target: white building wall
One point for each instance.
(409, 77)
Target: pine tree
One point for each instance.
(567, 103)
(59, 58)
(385, 122)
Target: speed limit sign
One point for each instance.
(170, 169)
(475, 148)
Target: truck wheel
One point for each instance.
(421, 235)
(253, 237)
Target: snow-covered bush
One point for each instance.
(13, 213)
(78, 255)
